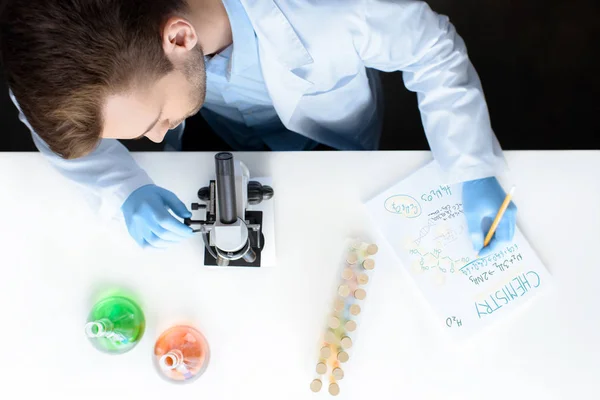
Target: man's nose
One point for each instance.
(158, 135)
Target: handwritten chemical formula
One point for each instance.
(439, 193)
(403, 205)
(453, 321)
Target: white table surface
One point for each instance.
(263, 325)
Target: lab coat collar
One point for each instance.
(275, 32)
(245, 50)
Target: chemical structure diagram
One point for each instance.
(437, 234)
(436, 259)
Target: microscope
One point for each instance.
(231, 232)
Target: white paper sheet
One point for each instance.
(422, 219)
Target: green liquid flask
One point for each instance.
(115, 325)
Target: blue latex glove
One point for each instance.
(149, 221)
(482, 199)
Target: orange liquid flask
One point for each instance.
(181, 354)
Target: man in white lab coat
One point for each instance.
(265, 74)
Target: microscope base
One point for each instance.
(252, 217)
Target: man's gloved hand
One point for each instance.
(148, 218)
(482, 199)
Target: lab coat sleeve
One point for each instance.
(407, 36)
(108, 175)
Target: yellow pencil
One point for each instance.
(503, 208)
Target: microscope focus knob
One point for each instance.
(257, 193)
(204, 194)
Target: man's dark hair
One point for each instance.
(62, 58)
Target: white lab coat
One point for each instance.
(316, 58)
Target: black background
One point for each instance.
(537, 61)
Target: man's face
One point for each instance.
(152, 110)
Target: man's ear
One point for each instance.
(179, 37)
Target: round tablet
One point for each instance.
(325, 352)
(334, 389)
(350, 326)
(343, 357)
(352, 258)
(346, 342)
(362, 279)
(372, 249)
(338, 373)
(368, 264)
(343, 290)
(339, 304)
(334, 322)
(360, 294)
(321, 368)
(316, 385)
(354, 309)
(347, 274)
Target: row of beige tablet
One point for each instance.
(342, 320)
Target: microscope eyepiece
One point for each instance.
(226, 198)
